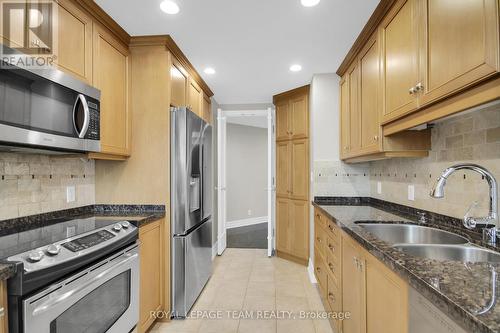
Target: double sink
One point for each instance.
(431, 243)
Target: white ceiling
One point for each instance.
(251, 43)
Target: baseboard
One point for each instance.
(214, 250)
(291, 257)
(310, 271)
(246, 222)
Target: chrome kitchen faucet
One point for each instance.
(489, 222)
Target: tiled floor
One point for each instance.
(247, 282)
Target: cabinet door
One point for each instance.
(460, 47)
(74, 41)
(299, 231)
(179, 81)
(151, 293)
(14, 35)
(282, 225)
(111, 76)
(283, 176)
(299, 117)
(300, 169)
(369, 97)
(353, 287)
(345, 121)
(399, 60)
(207, 109)
(4, 327)
(283, 129)
(195, 97)
(354, 110)
(386, 300)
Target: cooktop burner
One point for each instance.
(31, 239)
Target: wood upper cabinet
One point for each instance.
(111, 66)
(386, 299)
(194, 97)
(283, 225)
(207, 109)
(283, 168)
(151, 290)
(299, 115)
(74, 52)
(400, 71)
(179, 80)
(354, 110)
(15, 35)
(283, 121)
(299, 169)
(345, 118)
(460, 45)
(353, 286)
(369, 82)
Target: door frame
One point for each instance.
(222, 116)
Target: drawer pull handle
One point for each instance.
(330, 246)
(330, 227)
(331, 297)
(2, 312)
(331, 266)
(318, 239)
(318, 269)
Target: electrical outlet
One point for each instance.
(379, 187)
(249, 212)
(70, 231)
(70, 194)
(411, 192)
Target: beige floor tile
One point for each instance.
(228, 301)
(178, 326)
(291, 303)
(323, 326)
(261, 289)
(256, 303)
(290, 288)
(219, 326)
(257, 326)
(295, 326)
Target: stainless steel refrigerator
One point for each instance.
(191, 208)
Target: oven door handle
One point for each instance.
(47, 305)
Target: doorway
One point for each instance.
(245, 218)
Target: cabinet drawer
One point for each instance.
(319, 269)
(333, 267)
(320, 239)
(333, 230)
(319, 218)
(333, 248)
(334, 300)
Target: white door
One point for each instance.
(221, 182)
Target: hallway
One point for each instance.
(247, 280)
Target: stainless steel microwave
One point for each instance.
(47, 109)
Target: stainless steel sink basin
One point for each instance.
(460, 253)
(411, 234)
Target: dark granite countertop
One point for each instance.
(139, 215)
(458, 289)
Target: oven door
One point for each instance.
(102, 298)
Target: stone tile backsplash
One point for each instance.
(469, 137)
(33, 184)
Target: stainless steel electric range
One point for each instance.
(74, 276)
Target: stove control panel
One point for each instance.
(72, 248)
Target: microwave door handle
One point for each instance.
(86, 113)
(51, 302)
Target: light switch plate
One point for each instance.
(411, 192)
(379, 187)
(70, 194)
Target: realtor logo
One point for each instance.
(28, 33)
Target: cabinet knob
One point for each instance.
(318, 239)
(375, 138)
(2, 312)
(419, 87)
(330, 246)
(331, 266)
(412, 90)
(331, 296)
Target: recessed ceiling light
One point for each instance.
(169, 7)
(295, 68)
(209, 71)
(309, 3)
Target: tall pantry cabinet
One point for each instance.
(292, 174)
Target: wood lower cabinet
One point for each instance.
(111, 71)
(74, 52)
(354, 282)
(292, 229)
(4, 325)
(152, 282)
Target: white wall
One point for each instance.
(246, 174)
